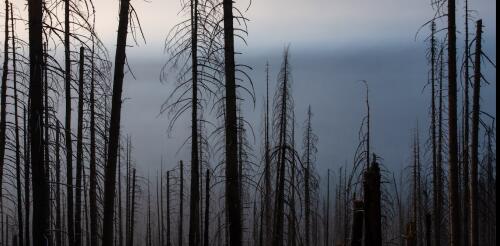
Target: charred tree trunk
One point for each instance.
(3, 105)
(27, 166)
(168, 210)
(357, 224)
(373, 224)
(93, 168)
(207, 210)
(181, 207)
(67, 129)
(40, 183)
(233, 203)
(476, 109)
(20, 232)
(267, 169)
(465, 133)
(79, 156)
(132, 210)
(452, 128)
(436, 219)
(58, 227)
(114, 135)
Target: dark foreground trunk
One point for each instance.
(114, 129)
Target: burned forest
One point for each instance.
(248, 123)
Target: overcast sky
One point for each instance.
(334, 44)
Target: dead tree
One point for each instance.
(476, 107)
(168, 240)
(114, 129)
(373, 226)
(454, 203)
(310, 141)
(3, 105)
(40, 183)
(79, 155)
(233, 202)
(357, 223)
(207, 210)
(20, 232)
(181, 201)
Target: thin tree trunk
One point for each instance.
(93, 168)
(433, 137)
(27, 166)
(267, 169)
(114, 135)
(454, 198)
(168, 210)
(3, 105)
(58, 188)
(79, 156)
(40, 183)
(181, 207)
(327, 216)
(207, 209)
(132, 212)
(476, 109)
(233, 203)
(69, 144)
(465, 137)
(16, 122)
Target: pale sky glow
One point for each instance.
(334, 43)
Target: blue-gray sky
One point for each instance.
(334, 44)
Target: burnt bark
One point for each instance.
(114, 129)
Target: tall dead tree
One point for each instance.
(93, 161)
(465, 132)
(310, 140)
(436, 220)
(114, 129)
(233, 202)
(283, 107)
(3, 105)
(20, 232)
(267, 168)
(67, 129)
(168, 239)
(79, 154)
(476, 109)
(40, 183)
(454, 199)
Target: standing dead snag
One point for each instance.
(371, 185)
(310, 141)
(3, 105)
(207, 210)
(357, 223)
(40, 183)
(474, 229)
(233, 202)
(194, 212)
(20, 232)
(454, 203)
(181, 200)
(79, 156)
(114, 129)
(67, 128)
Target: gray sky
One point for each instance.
(334, 44)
